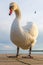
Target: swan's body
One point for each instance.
(22, 36)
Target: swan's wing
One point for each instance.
(28, 26)
(32, 29)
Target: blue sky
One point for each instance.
(27, 7)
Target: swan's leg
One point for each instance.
(17, 52)
(30, 50)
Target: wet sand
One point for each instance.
(10, 59)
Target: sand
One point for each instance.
(10, 59)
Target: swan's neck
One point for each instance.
(18, 13)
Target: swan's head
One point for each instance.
(13, 7)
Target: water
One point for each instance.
(7, 51)
(21, 52)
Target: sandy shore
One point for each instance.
(10, 59)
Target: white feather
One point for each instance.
(25, 36)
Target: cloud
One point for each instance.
(7, 46)
(4, 46)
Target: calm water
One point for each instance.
(21, 52)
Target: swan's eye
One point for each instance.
(11, 7)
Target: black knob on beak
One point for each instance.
(9, 13)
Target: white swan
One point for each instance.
(23, 37)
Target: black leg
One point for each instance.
(17, 52)
(30, 50)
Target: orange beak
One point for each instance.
(10, 12)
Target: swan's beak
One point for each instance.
(10, 12)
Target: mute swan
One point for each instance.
(23, 37)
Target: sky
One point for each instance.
(27, 7)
